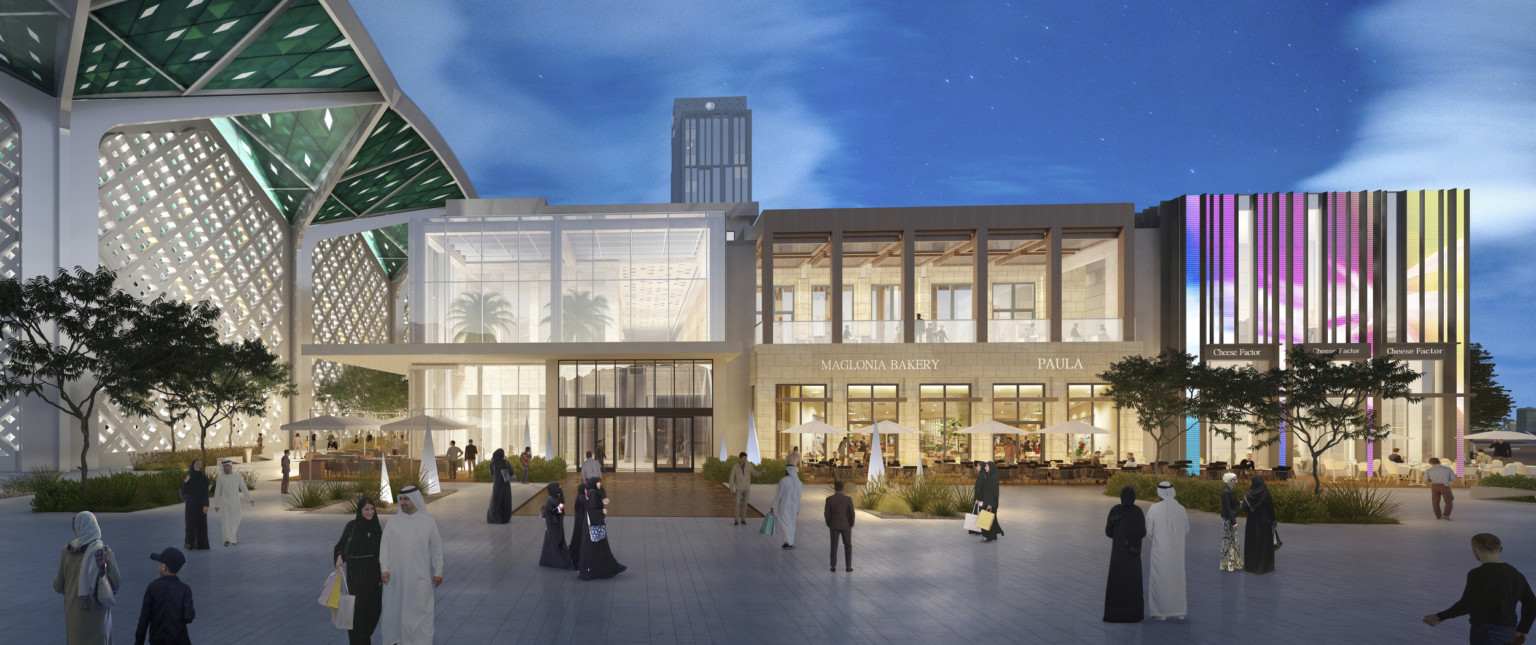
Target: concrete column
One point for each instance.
(981, 292)
(908, 283)
(767, 287)
(1053, 275)
(838, 315)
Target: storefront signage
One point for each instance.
(880, 365)
(1341, 351)
(1060, 363)
(1239, 352)
(1418, 351)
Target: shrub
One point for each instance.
(308, 494)
(213, 476)
(180, 459)
(893, 505)
(40, 477)
(1364, 505)
(540, 470)
(932, 494)
(870, 494)
(115, 493)
(716, 471)
(482, 471)
(337, 491)
(1510, 481)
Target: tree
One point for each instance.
(228, 379)
(75, 337)
(477, 317)
(360, 388)
(1491, 404)
(1321, 402)
(583, 316)
(1174, 392)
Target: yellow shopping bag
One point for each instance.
(334, 600)
(984, 519)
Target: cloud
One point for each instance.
(474, 68)
(1460, 111)
(1019, 180)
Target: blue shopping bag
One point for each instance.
(767, 525)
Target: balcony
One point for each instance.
(872, 331)
(1091, 330)
(945, 331)
(802, 332)
(1031, 330)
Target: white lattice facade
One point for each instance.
(10, 263)
(352, 298)
(178, 219)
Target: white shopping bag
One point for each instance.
(970, 523)
(341, 617)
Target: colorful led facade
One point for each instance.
(1376, 273)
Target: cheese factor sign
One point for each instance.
(1239, 352)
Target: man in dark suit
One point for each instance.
(839, 515)
(285, 472)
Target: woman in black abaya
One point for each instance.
(500, 511)
(990, 489)
(554, 554)
(194, 493)
(597, 559)
(1126, 526)
(358, 552)
(579, 526)
(1259, 534)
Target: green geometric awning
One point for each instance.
(302, 49)
(304, 139)
(28, 39)
(107, 66)
(389, 245)
(182, 37)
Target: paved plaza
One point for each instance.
(701, 580)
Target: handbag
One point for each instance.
(1277, 537)
(346, 606)
(768, 522)
(984, 519)
(330, 590)
(595, 532)
(970, 523)
(104, 593)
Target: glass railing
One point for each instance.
(1091, 330)
(945, 331)
(872, 331)
(802, 331)
(1018, 331)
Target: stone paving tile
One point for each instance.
(653, 495)
(701, 580)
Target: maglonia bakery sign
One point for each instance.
(880, 365)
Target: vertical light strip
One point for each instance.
(1463, 247)
(1192, 322)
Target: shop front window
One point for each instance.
(866, 405)
(1010, 407)
(1016, 276)
(942, 411)
(1092, 404)
(872, 276)
(797, 404)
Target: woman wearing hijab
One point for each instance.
(194, 493)
(597, 559)
(786, 505)
(1259, 534)
(357, 554)
(976, 492)
(1231, 557)
(990, 483)
(554, 554)
(84, 561)
(500, 511)
(579, 525)
(1126, 526)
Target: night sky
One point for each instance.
(939, 103)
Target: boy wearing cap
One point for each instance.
(167, 604)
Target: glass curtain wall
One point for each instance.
(797, 404)
(945, 269)
(1027, 416)
(504, 403)
(633, 277)
(1017, 276)
(942, 410)
(1090, 286)
(872, 288)
(868, 404)
(802, 280)
(636, 415)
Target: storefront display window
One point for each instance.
(942, 410)
(866, 405)
(1027, 416)
(797, 404)
(1091, 404)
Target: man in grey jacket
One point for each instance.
(741, 486)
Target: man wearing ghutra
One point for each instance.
(411, 559)
(786, 505)
(226, 500)
(1167, 526)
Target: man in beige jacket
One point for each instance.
(741, 486)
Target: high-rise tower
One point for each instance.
(711, 150)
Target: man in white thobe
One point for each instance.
(411, 560)
(226, 500)
(786, 505)
(1167, 525)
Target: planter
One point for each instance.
(1494, 492)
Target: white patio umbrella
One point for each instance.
(992, 427)
(426, 423)
(887, 427)
(331, 422)
(1074, 427)
(813, 427)
(1505, 435)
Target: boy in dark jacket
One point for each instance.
(167, 604)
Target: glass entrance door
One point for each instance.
(674, 444)
(596, 435)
